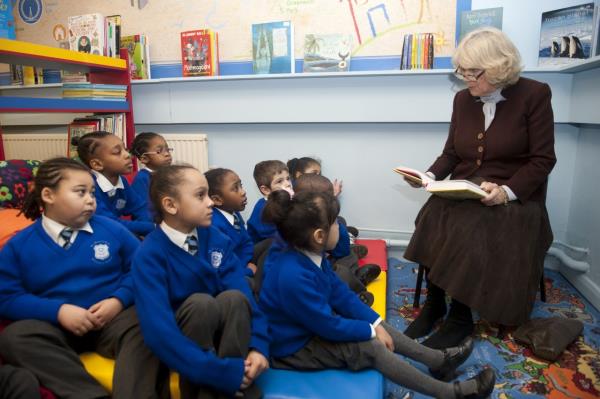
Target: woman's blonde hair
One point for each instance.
(491, 50)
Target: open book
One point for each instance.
(452, 189)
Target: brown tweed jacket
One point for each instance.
(516, 150)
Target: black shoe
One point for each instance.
(434, 309)
(359, 250)
(446, 371)
(451, 333)
(352, 230)
(368, 273)
(485, 385)
(366, 297)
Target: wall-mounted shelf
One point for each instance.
(32, 104)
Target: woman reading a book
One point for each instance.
(487, 254)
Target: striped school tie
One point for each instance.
(236, 222)
(192, 244)
(66, 235)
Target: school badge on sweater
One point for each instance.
(101, 251)
(216, 256)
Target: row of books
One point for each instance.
(94, 91)
(112, 123)
(417, 51)
(28, 75)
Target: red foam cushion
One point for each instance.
(377, 253)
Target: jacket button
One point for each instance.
(480, 136)
(478, 162)
(480, 149)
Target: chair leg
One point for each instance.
(418, 287)
(543, 288)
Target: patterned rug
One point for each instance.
(519, 374)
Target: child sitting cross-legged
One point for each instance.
(196, 309)
(65, 282)
(106, 155)
(317, 323)
(229, 197)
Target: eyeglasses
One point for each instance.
(160, 151)
(470, 76)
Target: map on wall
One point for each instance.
(377, 26)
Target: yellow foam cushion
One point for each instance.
(378, 289)
(102, 370)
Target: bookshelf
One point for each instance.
(101, 70)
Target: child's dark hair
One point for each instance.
(215, 178)
(265, 171)
(88, 144)
(297, 218)
(313, 183)
(165, 182)
(300, 165)
(141, 143)
(49, 174)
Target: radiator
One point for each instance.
(189, 148)
(38, 146)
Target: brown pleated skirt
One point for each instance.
(489, 258)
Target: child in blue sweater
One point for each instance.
(106, 155)
(269, 176)
(65, 282)
(152, 151)
(195, 306)
(229, 198)
(316, 322)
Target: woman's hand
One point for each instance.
(412, 183)
(77, 320)
(337, 187)
(496, 194)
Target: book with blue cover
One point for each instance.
(273, 47)
(7, 21)
(473, 19)
(327, 53)
(566, 35)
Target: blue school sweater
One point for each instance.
(302, 301)
(164, 276)
(258, 229)
(38, 276)
(125, 202)
(141, 184)
(342, 247)
(243, 246)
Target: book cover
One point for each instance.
(87, 34)
(78, 129)
(452, 189)
(113, 35)
(566, 35)
(273, 47)
(473, 19)
(137, 63)
(197, 53)
(327, 53)
(7, 21)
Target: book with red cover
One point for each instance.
(197, 58)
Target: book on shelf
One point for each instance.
(327, 53)
(474, 19)
(97, 91)
(199, 53)
(273, 47)
(111, 123)
(566, 35)
(139, 55)
(87, 33)
(7, 20)
(113, 35)
(452, 189)
(417, 51)
(78, 128)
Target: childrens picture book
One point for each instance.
(87, 34)
(452, 189)
(199, 55)
(273, 47)
(113, 35)
(473, 19)
(139, 58)
(566, 35)
(7, 21)
(327, 53)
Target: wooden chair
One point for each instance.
(421, 272)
